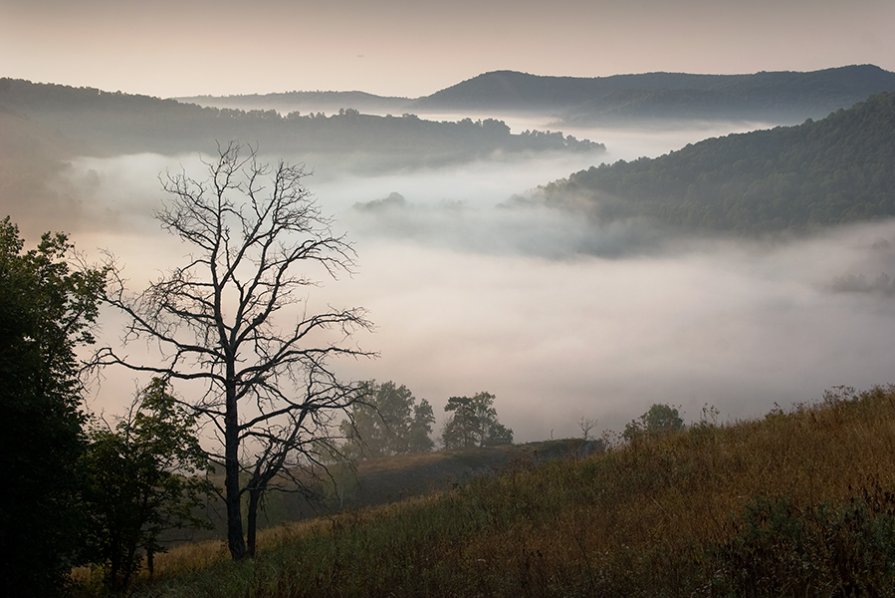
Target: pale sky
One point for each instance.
(394, 47)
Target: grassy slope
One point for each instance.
(649, 519)
(389, 479)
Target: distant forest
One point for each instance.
(837, 170)
(781, 97)
(103, 123)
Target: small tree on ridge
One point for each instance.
(473, 422)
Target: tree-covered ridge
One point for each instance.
(306, 101)
(105, 123)
(836, 170)
(783, 96)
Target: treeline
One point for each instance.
(388, 420)
(783, 97)
(104, 123)
(832, 171)
(307, 101)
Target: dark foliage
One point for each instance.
(105, 123)
(473, 422)
(836, 170)
(146, 475)
(387, 421)
(46, 310)
(780, 549)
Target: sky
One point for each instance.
(173, 48)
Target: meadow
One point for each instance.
(797, 503)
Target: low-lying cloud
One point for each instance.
(558, 316)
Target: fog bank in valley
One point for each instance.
(559, 317)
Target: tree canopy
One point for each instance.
(820, 173)
(387, 420)
(47, 308)
(658, 420)
(145, 475)
(473, 422)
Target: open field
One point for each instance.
(802, 497)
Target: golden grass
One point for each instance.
(645, 519)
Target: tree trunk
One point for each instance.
(150, 561)
(235, 539)
(252, 519)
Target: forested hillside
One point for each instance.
(306, 101)
(785, 97)
(837, 170)
(104, 123)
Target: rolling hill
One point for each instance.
(798, 503)
(837, 170)
(783, 97)
(103, 123)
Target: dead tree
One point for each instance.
(257, 242)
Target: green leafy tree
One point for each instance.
(387, 421)
(658, 420)
(145, 476)
(47, 307)
(473, 422)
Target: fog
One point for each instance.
(561, 318)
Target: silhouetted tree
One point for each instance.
(146, 475)
(659, 419)
(473, 422)
(256, 239)
(387, 421)
(47, 307)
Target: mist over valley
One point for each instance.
(447, 299)
(543, 305)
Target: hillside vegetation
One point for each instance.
(836, 170)
(306, 101)
(785, 96)
(798, 503)
(102, 123)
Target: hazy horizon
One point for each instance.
(223, 48)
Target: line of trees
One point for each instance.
(387, 420)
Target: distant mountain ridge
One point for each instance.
(305, 101)
(780, 96)
(105, 123)
(785, 97)
(837, 170)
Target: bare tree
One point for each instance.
(586, 424)
(267, 388)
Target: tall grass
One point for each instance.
(686, 514)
